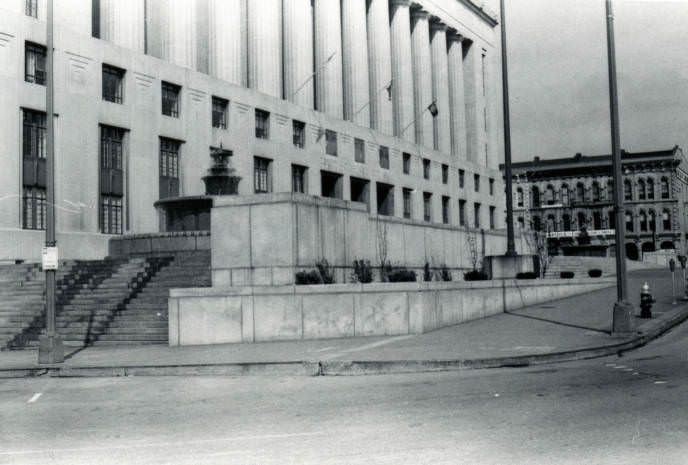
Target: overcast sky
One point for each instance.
(558, 75)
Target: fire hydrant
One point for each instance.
(646, 301)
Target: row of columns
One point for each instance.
(341, 57)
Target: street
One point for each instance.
(619, 410)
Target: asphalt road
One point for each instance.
(627, 410)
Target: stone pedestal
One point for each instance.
(505, 267)
(50, 349)
(623, 323)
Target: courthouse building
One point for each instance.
(560, 196)
(393, 103)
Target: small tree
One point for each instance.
(474, 253)
(382, 247)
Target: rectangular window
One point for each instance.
(445, 210)
(219, 112)
(111, 179)
(261, 175)
(462, 212)
(331, 143)
(331, 184)
(169, 168)
(32, 8)
(170, 99)
(407, 202)
(476, 214)
(33, 208)
(262, 124)
(427, 206)
(359, 150)
(492, 217)
(385, 199)
(492, 182)
(445, 174)
(298, 133)
(34, 63)
(359, 190)
(111, 214)
(426, 168)
(384, 157)
(299, 179)
(406, 162)
(462, 180)
(476, 182)
(113, 79)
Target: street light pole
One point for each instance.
(50, 348)
(510, 244)
(623, 321)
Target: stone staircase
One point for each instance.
(581, 265)
(22, 297)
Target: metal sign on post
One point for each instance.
(49, 258)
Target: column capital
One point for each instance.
(419, 13)
(436, 24)
(452, 34)
(405, 3)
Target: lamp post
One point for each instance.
(622, 322)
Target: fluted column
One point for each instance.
(264, 19)
(298, 52)
(179, 33)
(402, 69)
(224, 24)
(380, 66)
(457, 106)
(122, 23)
(472, 90)
(328, 57)
(440, 86)
(422, 78)
(355, 62)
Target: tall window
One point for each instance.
(476, 214)
(462, 180)
(170, 99)
(629, 222)
(462, 212)
(32, 8)
(492, 184)
(262, 124)
(641, 190)
(261, 175)
(642, 217)
(406, 161)
(34, 63)
(113, 79)
(111, 179)
(549, 193)
(426, 168)
(384, 157)
(219, 112)
(298, 178)
(595, 192)
(445, 209)
(650, 189)
(666, 220)
(359, 150)
(628, 190)
(564, 194)
(582, 221)
(566, 220)
(653, 222)
(580, 192)
(535, 197)
(169, 168)
(331, 143)
(492, 217)
(519, 197)
(664, 183)
(610, 190)
(34, 170)
(298, 133)
(537, 226)
(476, 182)
(427, 206)
(407, 202)
(550, 223)
(445, 174)
(596, 220)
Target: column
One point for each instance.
(380, 66)
(440, 86)
(355, 62)
(179, 33)
(225, 40)
(472, 89)
(298, 52)
(122, 23)
(264, 18)
(457, 106)
(422, 79)
(402, 69)
(328, 57)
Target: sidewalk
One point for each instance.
(568, 329)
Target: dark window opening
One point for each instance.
(299, 179)
(408, 210)
(261, 175)
(111, 179)
(331, 143)
(34, 66)
(113, 79)
(426, 168)
(462, 180)
(462, 212)
(445, 210)
(31, 8)
(476, 182)
(406, 163)
(331, 184)
(360, 191)
(219, 112)
(427, 206)
(445, 174)
(492, 217)
(476, 214)
(170, 99)
(385, 199)
(299, 134)
(262, 124)
(169, 168)
(384, 157)
(359, 150)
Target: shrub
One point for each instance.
(427, 276)
(308, 277)
(595, 273)
(325, 271)
(401, 275)
(475, 275)
(527, 275)
(362, 272)
(566, 274)
(445, 273)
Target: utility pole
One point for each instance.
(510, 244)
(623, 322)
(50, 348)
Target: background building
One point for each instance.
(560, 196)
(388, 102)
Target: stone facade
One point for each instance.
(560, 196)
(339, 112)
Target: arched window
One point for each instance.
(650, 189)
(596, 220)
(628, 190)
(536, 223)
(566, 219)
(549, 193)
(519, 197)
(581, 220)
(653, 222)
(564, 194)
(666, 220)
(535, 196)
(642, 217)
(641, 189)
(551, 224)
(629, 222)
(665, 188)
(580, 192)
(521, 223)
(612, 219)
(595, 192)
(610, 190)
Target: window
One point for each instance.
(492, 182)
(169, 168)
(643, 221)
(384, 157)
(33, 208)
(170, 99)
(427, 206)
(426, 168)
(445, 209)
(629, 222)
(32, 8)
(521, 222)
(111, 214)
(581, 220)
(476, 182)
(359, 150)
(580, 192)
(298, 179)
(34, 170)
(219, 112)
(359, 190)
(535, 197)
(550, 223)
(612, 219)
(261, 175)
(628, 190)
(331, 143)
(461, 178)
(111, 179)
(566, 220)
(595, 192)
(113, 79)
(385, 199)
(462, 212)
(596, 220)
(641, 190)
(406, 160)
(666, 220)
(262, 124)
(298, 133)
(34, 66)
(650, 189)
(476, 214)
(407, 202)
(564, 194)
(519, 197)
(664, 183)
(492, 217)
(445, 174)
(549, 194)
(653, 223)
(331, 185)
(536, 223)
(610, 190)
